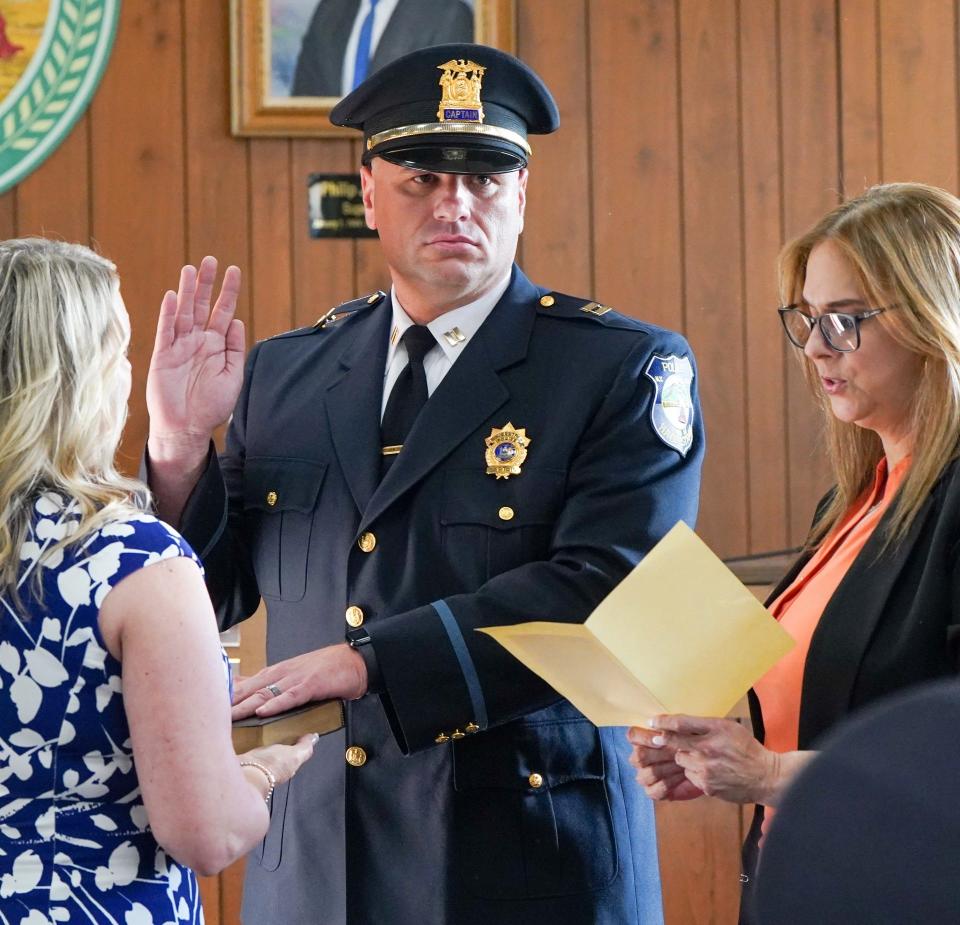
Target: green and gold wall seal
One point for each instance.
(52, 56)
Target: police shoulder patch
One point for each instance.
(671, 412)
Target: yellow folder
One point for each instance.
(680, 634)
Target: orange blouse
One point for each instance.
(800, 606)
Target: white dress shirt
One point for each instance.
(453, 330)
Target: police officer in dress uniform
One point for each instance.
(469, 449)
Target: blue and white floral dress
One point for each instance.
(75, 844)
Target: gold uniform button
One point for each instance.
(356, 756)
(535, 780)
(506, 513)
(354, 615)
(547, 301)
(271, 498)
(440, 739)
(457, 734)
(471, 728)
(367, 541)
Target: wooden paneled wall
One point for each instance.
(697, 136)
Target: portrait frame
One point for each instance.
(257, 111)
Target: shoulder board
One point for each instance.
(560, 305)
(337, 314)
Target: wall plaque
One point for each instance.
(336, 206)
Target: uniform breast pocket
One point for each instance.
(280, 500)
(533, 819)
(493, 525)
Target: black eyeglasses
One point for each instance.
(841, 330)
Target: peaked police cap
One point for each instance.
(457, 108)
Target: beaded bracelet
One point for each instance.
(267, 773)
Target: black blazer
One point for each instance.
(894, 621)
(414, 24)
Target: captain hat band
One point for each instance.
(448, 128)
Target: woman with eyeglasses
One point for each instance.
(873, 293)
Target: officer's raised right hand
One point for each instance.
(195, 376)
(197, 365)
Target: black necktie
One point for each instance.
(409, 394)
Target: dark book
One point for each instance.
(285, 728)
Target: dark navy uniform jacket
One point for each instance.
(445, 822)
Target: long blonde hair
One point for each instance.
(62, 408)
(903, 242)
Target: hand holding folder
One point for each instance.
(680, 634)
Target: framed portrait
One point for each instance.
(292, 60)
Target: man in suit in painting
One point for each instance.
(349, 39)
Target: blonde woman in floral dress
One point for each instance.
(117, 776)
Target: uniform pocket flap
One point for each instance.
(505, 504)
(529, 757)
(278, 483)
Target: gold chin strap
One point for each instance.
(447, 128)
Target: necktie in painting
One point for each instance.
(362, 60)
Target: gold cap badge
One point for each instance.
(506, 450)
(461, 82)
